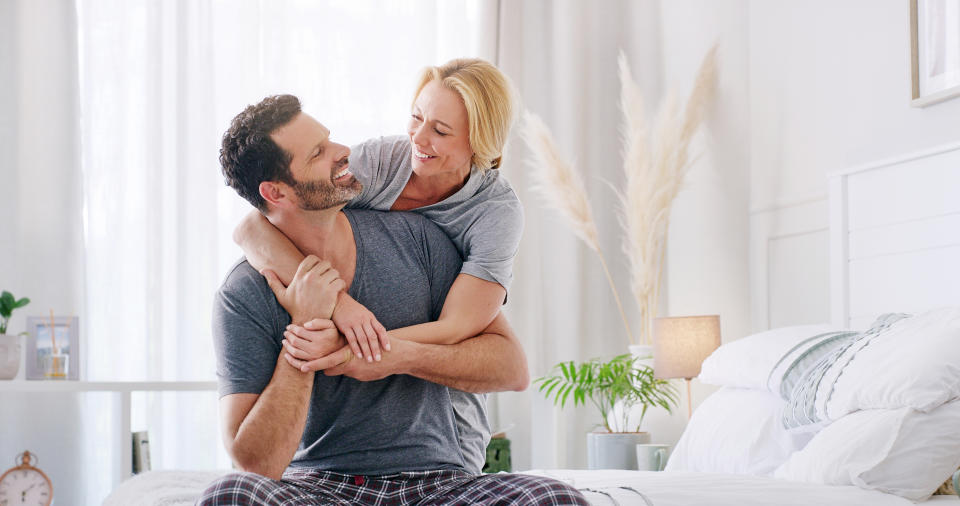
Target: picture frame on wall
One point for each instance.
(53, 348)
(935, 51)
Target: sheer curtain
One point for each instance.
(159, 83)
(561, 305)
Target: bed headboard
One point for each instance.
(895, 236)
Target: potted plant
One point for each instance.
(9, 344)
(621, 379)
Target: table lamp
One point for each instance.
(680, 345)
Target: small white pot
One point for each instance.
(643, 352)
(614, 450)
(9, 356)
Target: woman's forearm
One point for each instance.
(471, 305)
(265, 247)
(438, 332)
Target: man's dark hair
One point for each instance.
(248, 156)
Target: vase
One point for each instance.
(9, 356)
(614, 450)
(643, 352)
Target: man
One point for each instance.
(360, 433)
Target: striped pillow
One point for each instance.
(949, 487)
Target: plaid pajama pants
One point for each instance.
(422, 488)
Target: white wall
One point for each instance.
(707, 270)
(829, 88)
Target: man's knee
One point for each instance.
(533, 490)
(236, 489)
(543, 491)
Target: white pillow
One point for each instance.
(736, 431)
(914, 363)
(899, 451)
(748, 362)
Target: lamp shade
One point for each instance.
(680, 344)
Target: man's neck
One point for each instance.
(326, 234)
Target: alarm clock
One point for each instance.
(25, 484)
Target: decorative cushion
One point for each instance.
(749, 362)
(914, 363)
(736, 431)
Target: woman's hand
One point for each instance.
(313, 346)
(364, 333)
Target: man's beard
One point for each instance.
(320, 195)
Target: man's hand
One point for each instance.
(314, 346)
(361, 328)
(364, 371)
(313, 291)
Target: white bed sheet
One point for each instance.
(708, 489)
(181, 488)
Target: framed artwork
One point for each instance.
(935, 50)
(53, 348)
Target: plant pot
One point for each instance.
(643, 352)
(614, 450)
(9, 356)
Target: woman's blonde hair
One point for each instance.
(489, 98)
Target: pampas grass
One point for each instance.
(655, 164)
(563, 189)
(655, 168)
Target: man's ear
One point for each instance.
(272, 192)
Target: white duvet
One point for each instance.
(706, 489)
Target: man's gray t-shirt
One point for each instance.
(404, 267)
(484, 219)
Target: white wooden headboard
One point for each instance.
(895, 236)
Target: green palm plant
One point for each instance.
(7, 304)
(606, 383)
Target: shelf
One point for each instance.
(123, 391)
(105, 386)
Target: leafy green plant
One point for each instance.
(7, 304)
(605, 383)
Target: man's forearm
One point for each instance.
(269, 435)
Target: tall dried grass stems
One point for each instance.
(655, 169)
(563, 189)
(655, 164)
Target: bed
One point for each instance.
(894, 245)
(606, 487)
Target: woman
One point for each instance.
(445, 169)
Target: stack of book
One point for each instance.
(141, 452)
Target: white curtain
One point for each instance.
(562, 56)
(159, 83)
